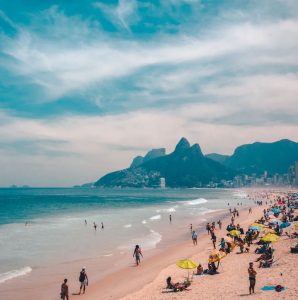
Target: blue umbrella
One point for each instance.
(285, 224)
(254, 228)
(276, 210)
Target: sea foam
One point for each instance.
(127, 226)
(14, 273)
(195, 201)
(146, 242)
(157, 217)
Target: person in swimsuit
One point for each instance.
(64, 290)
(137, 254)
(252, 278)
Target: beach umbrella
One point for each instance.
(268, 230)
(270, 238)
(255, 228)
(258, 225)
(291, 206)
(234, 232)
(276, 210)
(296, 224)
(216, 256)
(285, 225)
(229, 239)
(186, 264)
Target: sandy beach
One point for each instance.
(148, 280)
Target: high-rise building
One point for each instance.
(296, 172)
(162, 182)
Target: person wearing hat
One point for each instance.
(83, 280)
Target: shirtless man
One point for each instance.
(64, 290)
(252, 277)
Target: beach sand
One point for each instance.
(231, 283)
(149, 279)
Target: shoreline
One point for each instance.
(152, 266)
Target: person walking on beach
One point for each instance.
(137, 254)
(250, 211)
(252, 278)
(64, 290)
(219, 224)
(83, 280)
(170, 217)
(213, 238)
(194, 237)
(208, 227)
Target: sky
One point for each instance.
(85, 86)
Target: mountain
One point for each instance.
(220, 158)
(186, 166)
(154, 153)
(258, 157)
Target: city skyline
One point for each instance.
(85, 87)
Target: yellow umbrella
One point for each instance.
(270, 238)
(216, 256)
(234, 232)
(186, 264)
(296, 224)
(228, 239)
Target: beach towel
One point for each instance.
(272, 288)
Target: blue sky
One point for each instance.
(87, 85)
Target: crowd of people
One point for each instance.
(278, 215)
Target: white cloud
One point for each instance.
(61, 69)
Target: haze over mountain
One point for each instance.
(186, 166)
(274, 157)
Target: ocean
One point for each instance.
(45, 227)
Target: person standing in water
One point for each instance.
(137, 254)
(170, 217)
(94, 225)
(252, 278)
(85, 222)
(102, 226)
(64, 290)
(83, 280)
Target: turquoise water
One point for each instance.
(56, 232)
